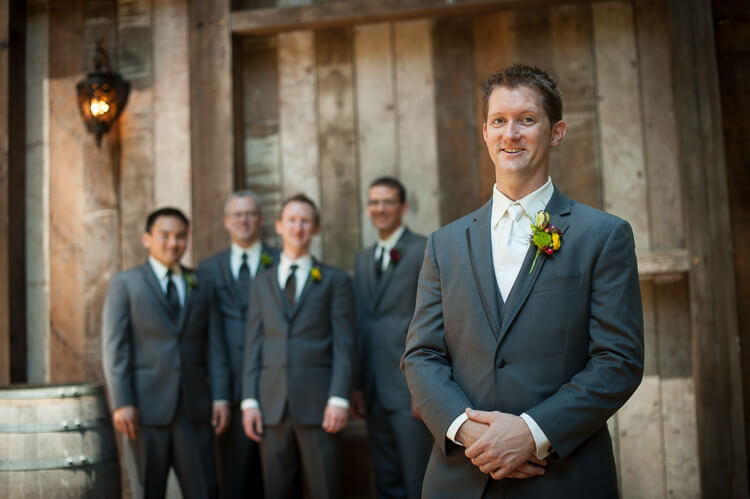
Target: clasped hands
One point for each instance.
(500, 445)
(334, 420)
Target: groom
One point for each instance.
(519, 352)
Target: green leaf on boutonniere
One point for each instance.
(315, 274)
(266, 260)
(191, 280)
(547, 238)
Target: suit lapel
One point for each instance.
(371, 279)
(189, 297)
(309, 285)
(161, 297)
(480, 256)
(558, 208)
(387, 276)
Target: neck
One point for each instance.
(245, 244)
(516, 188)
(296, 253)
(385, 234)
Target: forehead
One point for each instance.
(298, 209)
(242, 204)
(383, 192)
(168, 223)
(514, 99)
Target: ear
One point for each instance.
(404, 208)
(279, 226)
(559, 130)
(226, 222)
(484, 131)
(146, 240)
(316, 230)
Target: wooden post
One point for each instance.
(211, 121)
(4, 195)
(713, 315)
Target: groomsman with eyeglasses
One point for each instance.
(232, 272)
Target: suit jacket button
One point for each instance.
(500, 363)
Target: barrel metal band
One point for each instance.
(73, 425)
(54, 464)
(51, 392)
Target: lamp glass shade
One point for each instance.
(101, 99)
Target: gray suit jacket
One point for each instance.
(152, 355)
(566, 348)
(233, 310)
(384, 311)
(299, 357)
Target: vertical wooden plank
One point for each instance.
(458, 156)
(137, 170)
(67, 141)
(640, 439)
(171, 104)
(258, 68)
(376, 112)
(493, 50)
(620, 118)
(211, 123)
(681, 456)
(37, 191)
(338, 156)
(575, 166)
(5, 215)
(660, 126)
(417, 148)
(298, 118)
(721, 434)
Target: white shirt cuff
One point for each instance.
(543, 446)
(455, 426)
(249, 404)
(338, 402)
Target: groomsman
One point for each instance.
(298, 362)
(385, 284)
(160, 346)
(232, 272)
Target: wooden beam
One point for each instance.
(4, 196)
(211, 122)
(713, 314)
(344, 13)
(662, 262)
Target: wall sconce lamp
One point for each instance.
(101, 96)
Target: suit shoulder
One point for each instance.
(595, 218)
(214, 259)
(459, 226)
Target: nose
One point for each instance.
(514, 129)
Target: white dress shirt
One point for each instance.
(386, 245)
(253, 258)
(301, 275)
(161, 275)
(510, 228)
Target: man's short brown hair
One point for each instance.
(301, 198)
(523, 75)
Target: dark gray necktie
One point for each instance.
(379, 263)
(243, 279)
(173, 300)
(290, 288)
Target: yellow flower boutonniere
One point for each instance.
(547, 238)
(266, 260)
(315, 274)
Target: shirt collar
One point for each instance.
(390, 241)
(531, 203)
(252, 250)
(161, 270)
(303, 263)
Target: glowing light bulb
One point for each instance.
(99, 107)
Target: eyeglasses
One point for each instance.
(388, 203)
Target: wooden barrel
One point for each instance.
(57, 441)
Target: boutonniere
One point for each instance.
(266, 260)
(544, 236)
(191, 280)
(395, 254)
(315, 274)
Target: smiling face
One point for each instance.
(519, 138)
(296, 226)
(243, 221)
(385, 209)
(167, 240)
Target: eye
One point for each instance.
(528, 120)
(498, 121)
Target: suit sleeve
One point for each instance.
(426, 361)
(218, 357)
(343, 331)
(615, 366)
(357, 372)
(253, 343)
(117, 344)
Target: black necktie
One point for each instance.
(172, 299)
(379, 263)
(290, 288)
(243, 279)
